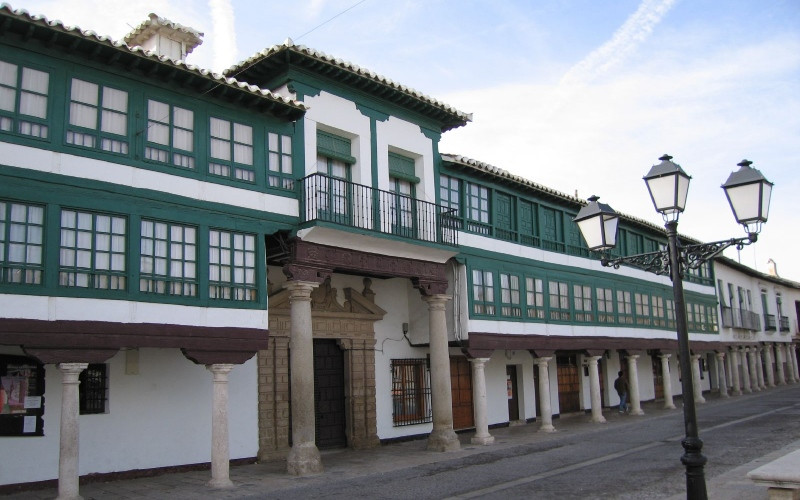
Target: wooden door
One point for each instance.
(461, 390)
(329, 403)
(658, 377)
(569, 383)
(513, 395)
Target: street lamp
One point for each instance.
(748, 193)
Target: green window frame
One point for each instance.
(92, 253)
(505, 223)
(669, 307)
(657, 310)
(24, 93)
(168, 258)
(478, 209)
(450, 195)
(558, 292)
(605, 305)
(552, 230)
(642, 307)
(230, 150)
(510, 295)
(582, 299)
(534, 298)
(170, 135)
(280, 171)
(624, 307)
(98, 117)
(401, 207)
(483, 292)
(528, 224)
(232, 266)
(713, 319)
(21, 243)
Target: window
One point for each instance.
(670, 309)
(21, 240)
(534, 290)
(411, 392)
(401, 205)
(170, 134)
(642, 301)
(605, 305)
(334, 191)
(582, 297)
(450, 197)
(505, 226)
(559, 300)
(482, 292)
(232, 266)
(552, 230)
(279, 161)
(721, 292)
(657, 304)
(92, 251)
(528, 230)
(23, 100)
(98, 117)
(231, 150)
(509, 295)
(168, 263)
(713, 318)
(478, 209)
(624, 308)
(93, 389)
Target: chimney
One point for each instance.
(164, 37)
(772, 268)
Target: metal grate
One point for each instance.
(93, 389)
(411, 392)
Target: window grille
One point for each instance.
(411, 392)
(93, 390)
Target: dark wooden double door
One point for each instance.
(329, 394)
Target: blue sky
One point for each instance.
(581, 96)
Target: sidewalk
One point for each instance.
(260, 479)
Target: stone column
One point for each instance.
(220, 444)
(482, 435)
(544, 395)
(736, 384)
(669, 404)
(792, 356)
(304, 457)
(751, 359)
(723, 383)
(442, 437)
(762, 383)
(728, 370)
(633, 383)
(770, 364)
(745, 369)
(594, 386)
(68, 472)
(779, 354)
(696, 387)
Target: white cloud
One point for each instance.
(223, 35)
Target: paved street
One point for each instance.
(628, 457)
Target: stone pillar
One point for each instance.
(482, 435)
(759, 352)
(442, 437)
(68, 472)
(779, 354)
(770, 365)
(304, 457)
(745, 369)
(736, 383)
(729, 370)
(594, 386)
(633, 383)
(792, 356)
(751, 360)
(544, 395)
(669, 404)
(220, 445)
(723, 383)
(696, 387)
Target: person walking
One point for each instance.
(621, 386)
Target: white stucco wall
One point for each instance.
(156, 418)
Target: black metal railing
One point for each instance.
(784, 323)
(354, 205)
(769, 322)
(740, 318)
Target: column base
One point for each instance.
(304, 460)
(670, 406)
(547, 428)
(599, 419)
(221, 484)
(443, 440)
(637, 412)
(69, 497)
(482, 440)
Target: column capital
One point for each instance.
(633, 356)
(220, 370)
(71, 371)
(720, 355)
(542, 360)
(478, 361)
(594, 359)
(438, 299)
(665, 355)
(300, 290)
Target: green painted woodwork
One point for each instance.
(334, 146)
(402, 167)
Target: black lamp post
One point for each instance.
(748, 193)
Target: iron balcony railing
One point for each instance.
(769, 322)
(346, 203)
(740, 318)
(784, 323)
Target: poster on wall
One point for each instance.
(21, 396)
